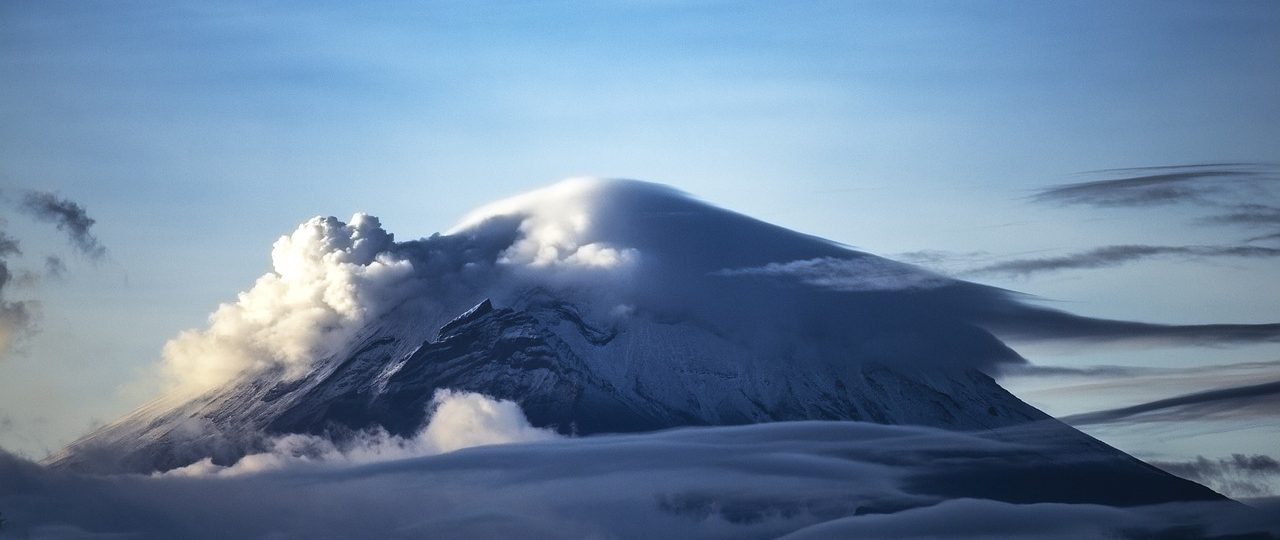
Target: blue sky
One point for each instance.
(196, 133)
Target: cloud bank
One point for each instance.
(806, 479)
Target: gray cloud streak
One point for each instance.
(1240, 475)
(1204, 184)
(1273, 236)
(1113, 371)
(15, 317)
(68, 216)
(1144, 190)
(1189, 406)
(1248, 215)
(1239, 194)
(1109, 256)
(1037, 323)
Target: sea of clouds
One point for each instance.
(790, 479)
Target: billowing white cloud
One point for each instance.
(328, 278)
(466, 419)
(458, 420)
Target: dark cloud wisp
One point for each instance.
(1249, 215)
(1159, 186)
(1110, 256)
(1240, 474)
(15, 316)
(1241, 195)
(68, 216)
(1263, 398)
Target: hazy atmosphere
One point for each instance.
(1081, 200)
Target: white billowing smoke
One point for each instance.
(458, 420)
(328, 278)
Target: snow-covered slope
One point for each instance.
(597, 306)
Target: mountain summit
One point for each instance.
(597, 306)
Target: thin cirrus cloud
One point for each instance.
(1150, 186)
(1254, 399)
(1115, 371)
(1238, 194)
(1249, 215)
(1110, 256)
(1036, 323)
(1272, 236)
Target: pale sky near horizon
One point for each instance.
(196, 134)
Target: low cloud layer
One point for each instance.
(805, 479)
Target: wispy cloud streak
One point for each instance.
(68, 216)
(1189, 406)
(1241, 475)
(1164, 185)
(1110, 256)
(1241, 195)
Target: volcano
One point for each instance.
(608, 306)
